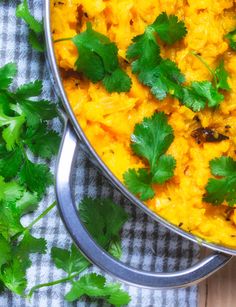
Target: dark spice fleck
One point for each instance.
(196, 118)
(208, 135)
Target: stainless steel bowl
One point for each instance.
(73, 136)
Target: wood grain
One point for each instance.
(219, 290)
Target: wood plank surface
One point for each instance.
(219, 290)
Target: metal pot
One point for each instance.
(73, 136)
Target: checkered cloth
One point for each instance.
(145, 243)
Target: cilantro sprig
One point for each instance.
(94, 285)
(163, 75)
(98, 60)
(23, 126)
(22, 182)
(104, 220)
(223, 188)
(231, 36)
(219, 75)
(201, 94)
(16, 241)
(150, 141)
(36, 38)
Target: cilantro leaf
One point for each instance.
(27, 203)
(118, 297)
(225, 166)
(13, 273)
(231, 36)
(166, 79)
(7, 73)
(28, 90)
(118, 81)
(10, 191)
(14, 277)
(201, 94)
(36, 177)
(115, 248)
(224, 188)
(90, 284)
(14, 202)
(71, 261)
(152, 137)
(90, 64)
(144, 52)
(29, 245)
(162, 76)
(93, 285)
(96, 215)
(23, 12)
(139, 183)
(150, 140)
(42, 142)
(169, 28)
(98, 44)
(10, 163)
(35, 26)
(11, 133)
(98, 60)
(164, 170)
(222, 77)
(5, 249)
(9, 222)
(36, 41)
(38, 111)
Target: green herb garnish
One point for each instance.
(150, 141)
(199, 95)
(163, 76)
(35, 27)
(169, 28)
(220, 75)
(22, 182)
(104, 220)
(24, 125)
(98, 61)
(231, 36)
(222, 189)
(94, 285)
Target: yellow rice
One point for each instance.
(109, 119)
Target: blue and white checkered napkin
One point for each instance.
(146, 244)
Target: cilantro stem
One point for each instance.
(56, 282)
(206, 65)
(45, 212)
(62, 39)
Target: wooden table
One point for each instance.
(219, 290)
